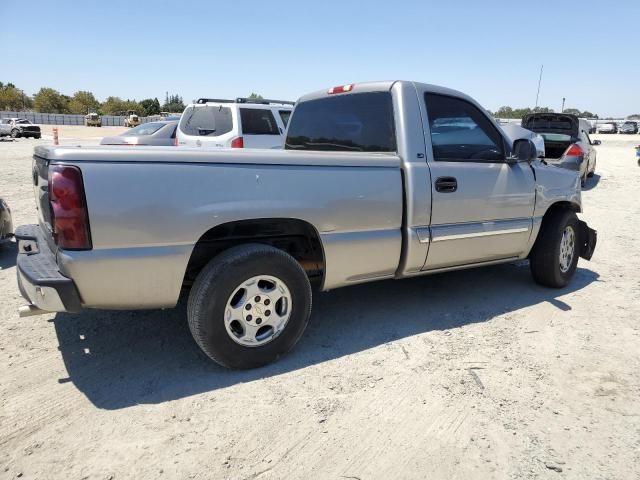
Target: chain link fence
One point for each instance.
(70, 119)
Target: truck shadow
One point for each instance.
(8, 253)
(121, 359)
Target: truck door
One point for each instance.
(482, 207)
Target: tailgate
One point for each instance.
(40, 178)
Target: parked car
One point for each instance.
(629, 127)
(151, 133)
(18, 127)
(132, 120)
(6, 224)
(566, 143)
(365, 189)
(609, 127)
(239, 123)
(92, 120)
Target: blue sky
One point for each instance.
(491, 50)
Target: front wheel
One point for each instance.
(554, 257)
(15, 133)
(249, 305)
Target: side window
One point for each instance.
(258, 122)
(461, 132)
(284, 115)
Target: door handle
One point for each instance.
(446, 184)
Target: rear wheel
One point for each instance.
(554, 257)
(249, 306)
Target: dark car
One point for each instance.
(153, 133)
(6, 225)
(566, 141)
(629, 128)
(18, 127)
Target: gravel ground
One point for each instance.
(473, 374)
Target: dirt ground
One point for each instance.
(474, 374)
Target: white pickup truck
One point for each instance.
(376, 181)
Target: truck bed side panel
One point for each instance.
(146, 217)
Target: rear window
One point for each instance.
(206, 121)
(361, 122)
(258, 122)
(556, 137)
(144, 129)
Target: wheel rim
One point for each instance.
(257, 311)
(567, 248)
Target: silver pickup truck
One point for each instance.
(376, 181)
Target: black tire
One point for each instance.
(545, 255)
(37, 137)
(15, 133)
(216, 283)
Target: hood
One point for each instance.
(552, 123)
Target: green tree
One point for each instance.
(113, 106)
(255, 96)
(173, 104)
(635, 116)
(48, 100)
(12, 98)
(150, 107)
(83, 102)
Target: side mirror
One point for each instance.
(596, 142)
(524, 150)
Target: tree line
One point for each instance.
(509, 112)
(49, 100)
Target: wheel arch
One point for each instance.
(297, 237)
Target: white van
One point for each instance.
(239, 123)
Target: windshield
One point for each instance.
(23, 121)
(208, 121)
(361, 122)
(144, 129)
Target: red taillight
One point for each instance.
(237, 142)
(574, 150)
(341, 89)
(70, 220)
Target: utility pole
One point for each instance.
(563, 99)
(539, 82)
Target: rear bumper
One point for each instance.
(588, 240)
(39, 279)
